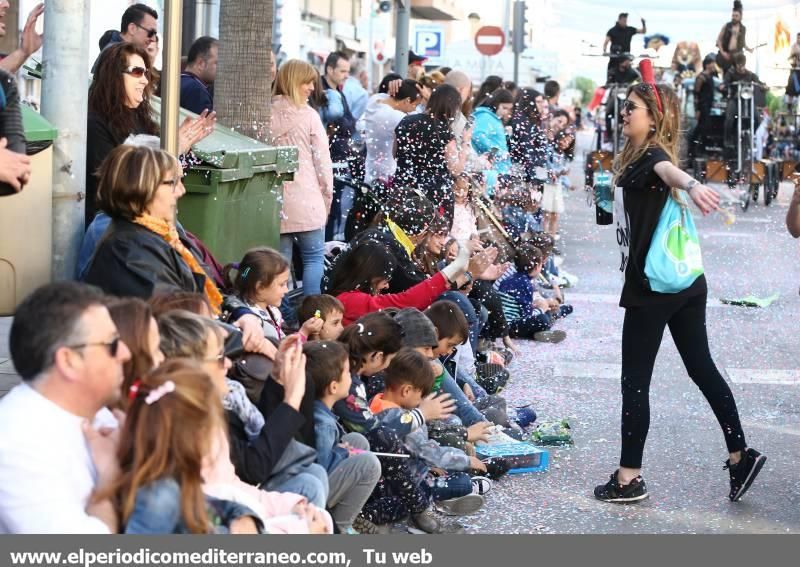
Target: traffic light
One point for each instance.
(277, 21)
(518, 36)
(384, 6)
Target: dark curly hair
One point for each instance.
(107, 93)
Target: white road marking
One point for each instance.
(587, 370)
(764, 376)
(725, 234)
(756, 220)
(782, 429)
(613, 298)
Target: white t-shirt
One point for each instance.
(46, 471)
(377, 125)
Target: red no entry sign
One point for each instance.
(490, 40)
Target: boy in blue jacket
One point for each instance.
(353, 471)
(444, 471)
(530, 316)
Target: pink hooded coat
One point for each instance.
(275, 509)
(306, 199)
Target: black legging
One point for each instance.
(641, 339)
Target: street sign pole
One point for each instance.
(370, 50)
(401, 38)
(518, 40)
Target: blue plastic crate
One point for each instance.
(522, 457)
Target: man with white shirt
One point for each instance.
(67, 350)
(384, 112)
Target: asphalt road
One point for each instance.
(756, 349)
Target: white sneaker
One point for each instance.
(570, 279)
(481, 485)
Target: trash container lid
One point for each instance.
(225, 148)
(37, 128)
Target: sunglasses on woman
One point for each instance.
(137, 72)
(628, 106)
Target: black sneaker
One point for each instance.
(613, 491)
(744, 472)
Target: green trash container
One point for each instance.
(26, 219)
(234, 198)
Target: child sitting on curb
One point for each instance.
(327, 308)
(372, 341)
(353, 472)
(531, 316)
(442, 470)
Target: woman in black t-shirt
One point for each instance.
(646, 175)
(428, 156)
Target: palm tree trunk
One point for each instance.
(242, 90)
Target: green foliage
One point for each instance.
(586, 86)
(774, 104)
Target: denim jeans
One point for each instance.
(311, 483)
(343, 197)
(465, 411)
(528, 326)
(464, 376)
(312, 252)
(473, 320)
(454, 485)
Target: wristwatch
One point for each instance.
(691, 184)
(455, 287)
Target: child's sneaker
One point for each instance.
(555, 336)
(461, 506)
(481, 485)
(613, 491)
(428, 523)
(495, 468)
(744, 472)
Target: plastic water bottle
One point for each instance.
(603, 197)
(727, 216)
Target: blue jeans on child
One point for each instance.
(464, 376)
(465, 411)
(454, 485)
(526, 327)
(311, 483)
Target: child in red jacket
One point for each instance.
(360, 278)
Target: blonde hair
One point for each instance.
(291, 76)
(130, 177)
(185, 334)
(667, 129)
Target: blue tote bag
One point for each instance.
(674, 262)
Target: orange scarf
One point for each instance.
(169, 233)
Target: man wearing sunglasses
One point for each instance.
(622, 73)
(139, 26)
(67, 350)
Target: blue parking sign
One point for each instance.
(429, 41)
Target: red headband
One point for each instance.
(649, 78)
